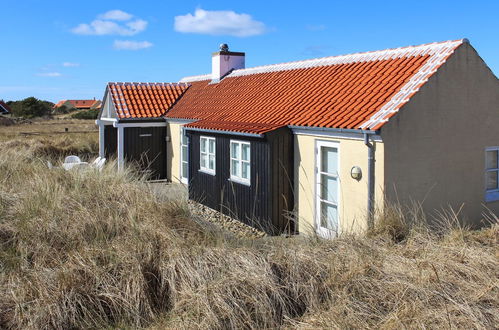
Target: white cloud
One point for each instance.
(116, 15)
(105, 25)
(70, 64)
(219, 23)
(131, 45)
(49, 74)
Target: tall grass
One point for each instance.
(84, 249)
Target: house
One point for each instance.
(79, 104)
(4, 108)
(318, 145)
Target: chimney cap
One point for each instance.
(224, 47)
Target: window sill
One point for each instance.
(491, 196)
(237, 180)
(207, 172)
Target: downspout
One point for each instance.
(370, 180)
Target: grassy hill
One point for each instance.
(85, 249)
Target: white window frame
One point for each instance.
(323, 232)
(239, 159)
(183, 179)
(491, 195)
(202, 168)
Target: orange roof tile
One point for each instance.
(144, 100)
(358, 91)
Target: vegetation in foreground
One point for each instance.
(85, 249)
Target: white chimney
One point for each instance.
(223, 61)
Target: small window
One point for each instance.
(492, 174)
(207, 155)
(240, 155)
(184, 158)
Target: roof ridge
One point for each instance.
(147, 83)
(331, 60)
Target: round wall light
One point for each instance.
(356, 173)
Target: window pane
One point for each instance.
(329, 216)
(329, 188)
(234, 150)
(235, 168)
(203, 145)
(203, 160)
(212, 162)
(329, 157)
(184, 153)
(492, 180)
(246, 152)
(184, 170)
(212, 146)
(492, 159)
(184, 138)
(246, 170)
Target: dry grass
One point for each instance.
(90, 250)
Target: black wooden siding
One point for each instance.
(146, 147)
(266, 203)
(110, 141)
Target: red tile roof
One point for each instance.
(144, 100)
(79, 104)
(358, 91)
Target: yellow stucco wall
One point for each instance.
(352, 193)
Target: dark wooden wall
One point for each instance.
(264, 203)
(110, 141)
(146, 146)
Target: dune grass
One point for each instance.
(83, 249)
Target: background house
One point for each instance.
(4, 108)
(79, 104)
(416, 124)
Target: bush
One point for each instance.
(89, 249)
(86, 114)
(30, 107)
(63, 109)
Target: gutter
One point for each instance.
(223, 132)
(370, 180)
(332, 130)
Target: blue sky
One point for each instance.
(70, 49)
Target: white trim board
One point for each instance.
(180, 121)
(155, 124)
(336, 135)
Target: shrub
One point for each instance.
(86, 114)
(30, 107)
(63, 109)
(88, 249)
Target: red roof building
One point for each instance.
(79, 104)
(328, 140)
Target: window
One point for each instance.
(184, 160)
(207, 155)
(327, 217)
(240, 168)
(491, 174)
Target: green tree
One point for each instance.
(31, 107)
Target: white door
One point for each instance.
(327, 190)
(184, 157)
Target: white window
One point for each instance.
(491, 174)
(240, 155)
(327, 215)
(207, 155)
(184, 160)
